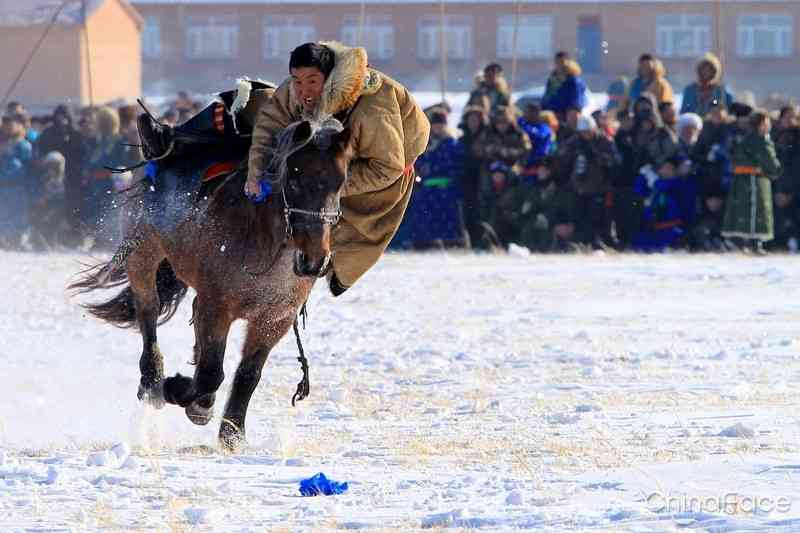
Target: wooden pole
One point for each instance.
(361, 20)
(84, 16)
(443, 49)
(514, 46)
(720, 34)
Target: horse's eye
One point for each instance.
(296, 170)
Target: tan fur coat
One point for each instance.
(389, 131)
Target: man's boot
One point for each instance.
(216, 123)
(211, 125)
(336, 286)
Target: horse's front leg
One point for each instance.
(262, 336)
(142, 269)
(198, 394)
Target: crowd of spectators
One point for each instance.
(713, 174)
(57, 189)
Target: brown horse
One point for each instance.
(256, 262)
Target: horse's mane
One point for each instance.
(229, 192)
(286, 145)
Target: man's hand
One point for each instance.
(252, 188)
(409, 170)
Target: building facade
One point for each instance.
(89, 53)
(205, 45)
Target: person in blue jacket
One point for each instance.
(15, 155)
(668, 198)
(708, 92)
(541, 137)
(565, 88)
(434, 213)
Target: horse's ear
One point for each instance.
(341, 141)
(301, 132)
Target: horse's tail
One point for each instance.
(120, 310)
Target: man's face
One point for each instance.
(643, 107)
(490, 75)
(689, 134)
(587, 135)
(669, 115)
(498, 180)
(61, 119)
(543, 173)
(788, 119)
(532, 115)
(707, 72)
(308, 83)
(438, 130)
(646, 69)
(473, 122)
(667, 171)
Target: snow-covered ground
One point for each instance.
(618, 393)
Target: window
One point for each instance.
(151, 38)
(377, 35)
(458, 37)
(764, 36)
(212, 37)
(534, 37)
(683, 35)
(284, 34)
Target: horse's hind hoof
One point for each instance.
(201, 411)
(231, 438)
(153, 395)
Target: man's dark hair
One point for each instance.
(493, 67)
(562, 55)
(533, 107)
(785, 110)
(646, 57)
(312, 55)
(665, 106)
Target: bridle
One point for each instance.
(328, 217)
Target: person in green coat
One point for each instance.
(748, 213)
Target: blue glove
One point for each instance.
(264, 193)
(319, 484)
(151, 171)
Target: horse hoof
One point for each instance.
(153, 395)
(201, 411)
(176, 390)
(231, 438)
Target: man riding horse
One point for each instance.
(388, 132)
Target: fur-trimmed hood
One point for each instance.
(716, 64)
(350, 78)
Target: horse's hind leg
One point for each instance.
(261, 338)
(142, 268)
(198, 394)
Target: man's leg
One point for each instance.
(369, 222)
(209, 125)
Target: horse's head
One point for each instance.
(314, 170)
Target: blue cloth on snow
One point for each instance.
(319, 484)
